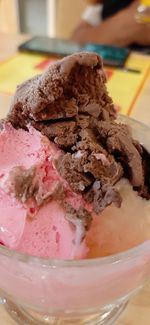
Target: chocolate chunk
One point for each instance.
(18, 118)
(94, 159)
(104, 169)
(89, 162)
(24, 183)
(138, 146)
(54, 111)
(144, 191)
(102, 195)
(93, 109)
(81, 219)
(83, 121)
(63, 133)
(118, 141)
(78, 181)
(2, 121)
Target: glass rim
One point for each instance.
(98, 261)
(88, 262)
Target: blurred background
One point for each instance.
(43, 17)
(86, 23)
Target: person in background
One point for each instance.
(112, 22)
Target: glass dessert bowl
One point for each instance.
(91, 291)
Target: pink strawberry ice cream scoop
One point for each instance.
(62, 156)
(12, 220)
(33, 197)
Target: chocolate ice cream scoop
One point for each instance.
(69, 103)
(72, 85)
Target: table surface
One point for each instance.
(138, 310)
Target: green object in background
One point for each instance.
(112, 55)
(49, 46)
